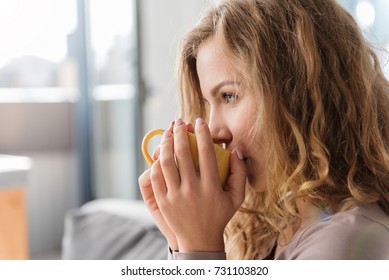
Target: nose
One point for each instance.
(219, 130)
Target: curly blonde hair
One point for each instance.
(326, 109)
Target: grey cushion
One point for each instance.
(103, 235)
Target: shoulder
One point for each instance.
(359, 233)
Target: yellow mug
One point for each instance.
(222, 155)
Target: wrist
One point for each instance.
(215, 245)
(173, 246)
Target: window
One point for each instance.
(372, 17)
(38, 50)
(84, 53)
(114, 118)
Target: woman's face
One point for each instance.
(231, 108)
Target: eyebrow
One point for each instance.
(222, 84)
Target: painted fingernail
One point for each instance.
(178, 122)
(199, 121)
(167, 134)
(239, 153)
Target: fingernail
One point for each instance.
(239, 153)
(178, 122)
(199, 121)
(167, 134)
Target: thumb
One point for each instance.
(237, 180)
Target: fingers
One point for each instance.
(173, 159)
(237, 180)
(207, 157)
(158, 181)
(150, 201)
(147, 191)
(182, 152)
(157, 153)
(158, 149)
(168, 163)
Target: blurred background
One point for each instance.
(80, 84)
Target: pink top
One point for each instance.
(359, 233)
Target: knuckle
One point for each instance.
(167, 162)
(174, 196)
(182, 151)
(163, 204)
(141, 182)
(154, 176)
(140, 179)
(144, 178)
(188, 192)
(157, 153)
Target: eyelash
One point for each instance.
(227, 95)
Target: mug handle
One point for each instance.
(145, 144)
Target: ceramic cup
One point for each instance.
(222, 155)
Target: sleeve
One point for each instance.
(339, 241)
(170, 254)
(175, 255)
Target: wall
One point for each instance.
(163, 23)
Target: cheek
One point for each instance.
(241, 124)
(257, 167)
(256, 175)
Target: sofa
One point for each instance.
(112, 229)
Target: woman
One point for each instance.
(298, 96)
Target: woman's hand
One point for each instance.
(146, 190)
(149, 199)
(194, 204)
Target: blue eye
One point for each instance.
(229, 97)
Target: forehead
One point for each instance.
(213, 65)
